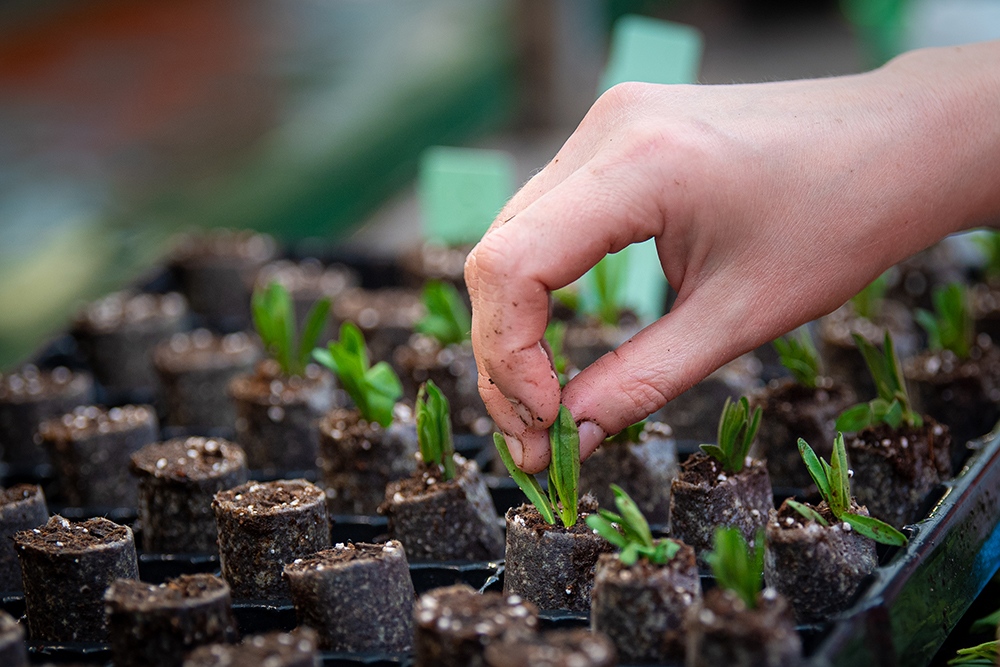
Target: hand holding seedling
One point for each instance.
(771, 204)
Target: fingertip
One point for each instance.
(535, 448)
(515, 449)
(591, 437)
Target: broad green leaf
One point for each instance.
(874, 529)
(855, 418)
(630, 553)
(715, 452)
(611, 516)
(807, 512)
(816, 470)
(564, 469)
(532, 489)
(606, 530)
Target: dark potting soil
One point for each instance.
(357, 597)
(159, 625)
(66, 568)
(792, 411)
(552, 566)
(177, 481)
(13, 651)
(276, 416)
(895, 469)
(556, 648)
(360, 458)
(22, 507)
(643, 469)
(386, 316)
(195, 370)
(641, 607)
(455, 625)
(444, 520)
(275, 649)
(90, 450)
(262, 527)
(31, 396)
(723, 631)
(818, 569)
(704, 497)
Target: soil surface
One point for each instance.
(189, 459)
(86, 422)
(557, 648)
(126, 310)
(180, 592)
(31, 385)
(62, 537)
(276, 649)
(201, 350)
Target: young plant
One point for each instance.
(274, 319)
(629, 531)
(950, 327)
(447, 319)
(737, 429)
(434, 430)
(834, 483)
(608, 281)
(892, 405)
(737, 566)
(798, 354)
(564, 472)
(555, 336)
(374, 389)
(983, 655)
(868, 302)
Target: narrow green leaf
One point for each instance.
(564, 469)
(313, 329)
(983, 655)
(875, 529)
(532, 489)
(986, 623)
(632, 515)
(434, 434)
(807, 512)
(840, 489)
(736, 566)
(815, 468)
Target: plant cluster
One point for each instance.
(892, 405)
(374, 389)
(737, 429)
(834, 483)
(737, 566)
(798, 354)
(868, 302)
(629, 531)
(274, 319)
(434, 435)
(950, 326)
(447, 319)
(564, 472)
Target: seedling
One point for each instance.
(737, 566)
(868, 302)
(983, 655)
(564, 472)
(737, 429)
(834, 483)
(892, 405)
(798, 354)
(274, 319)
(609, 280)
(434, 430)
(950, 327)
(629, 531)
(555, 336)
(447, 319)
(374, 389)
(630, 434)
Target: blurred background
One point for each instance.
(123, 123)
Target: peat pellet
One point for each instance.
(22, 507)
(262, 527)
(387, 316)
(13, 651)
(357, 597)
(195, 370)
(31, 396)
(556, 648)
(275, 649)
(90, 450)
(276, 416)
(158, 625)
(444, 520)
(66, 568)
(817, 568)
(641, 607)
(178, 480)
(118, 334)
(552, 566)
(455, 625)
(360, 458)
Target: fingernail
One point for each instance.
(522, 412)
(591, 437)
(515, 448)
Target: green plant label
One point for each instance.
(461, 191)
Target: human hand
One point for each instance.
(771, 205)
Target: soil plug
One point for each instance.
(357, 597)
(177, 481)
(66, 567)
(455, 625)
(262, 527)
(443, 512)
(158, 625)
(22, 507)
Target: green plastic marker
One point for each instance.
(651, 51)
(461, 191)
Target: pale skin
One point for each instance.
(771, 205)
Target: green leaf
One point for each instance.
(447, 319)
(564, 469)
(629, 554)
(989, 244)
(434, 434)
(983, 655)
(868, 302)
(855, 418)
(374, 390)
(715, 452)
(532, 489)
(736, 431)
(873, 528)
(274, 318)
(807, 512)
(799, 355)
(606, 530)
(632, 516)
(840, 484)
(555, 336)
(951, 326)
(609, 279)
(986, 623)
(736, 566)
(816, 469)
(313, 329)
